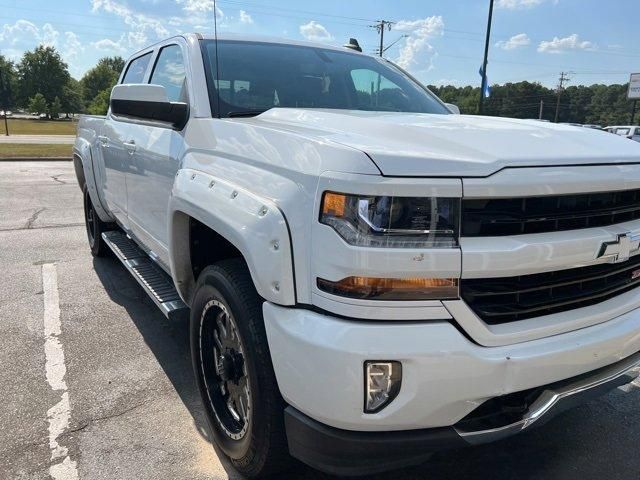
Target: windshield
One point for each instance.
(252, 77)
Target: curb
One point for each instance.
(36, 159)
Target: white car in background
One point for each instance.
(632, 132)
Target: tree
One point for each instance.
(7, 84)
(101, 77)
(41, 71)
(55, 108)
(37, 104)
(72, 101)
(100, 103)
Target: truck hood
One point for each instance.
(419, 145)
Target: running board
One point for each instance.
(150, 276)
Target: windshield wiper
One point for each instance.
(245, 113)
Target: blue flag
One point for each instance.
(487, 87)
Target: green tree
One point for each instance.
(55, 108)
(41, 71)
(37, 104)
(7, 84)
(72, 100)
(101, 77)
(100, 104)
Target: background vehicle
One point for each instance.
(630, 131)
(364, 284)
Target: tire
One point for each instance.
(226, 316)
(95, 227)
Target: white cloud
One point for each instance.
(49, 35)
(520, 4)
(197, 13)
(414, 48)
(72, 46)
(315, 32)
(245, 17)
(197, 5)
(561, 45)
(138, 22)
(517, 41)
(19, 33)
(108, 45)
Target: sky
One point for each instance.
(439, 41)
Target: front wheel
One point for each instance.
(233, 370)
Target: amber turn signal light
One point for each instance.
(333, 204)
(369, 288)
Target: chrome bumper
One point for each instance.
(561, 396)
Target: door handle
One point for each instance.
(104, 141)
(130, 146)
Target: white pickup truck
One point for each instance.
(369, 276)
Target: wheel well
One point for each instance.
(207, 247)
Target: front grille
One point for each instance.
(503, 300)
(516, 216)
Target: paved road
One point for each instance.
(131, 410)
(38, 139)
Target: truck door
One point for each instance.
(157, 159)
(115, 143)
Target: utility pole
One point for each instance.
(484, 62)
(380, 25)
(564, 77)
(541, 108)
(4, 100)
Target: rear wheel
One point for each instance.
(95, 227)
(233, 370)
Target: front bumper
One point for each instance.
(318, 361)
(345, 452)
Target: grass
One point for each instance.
(21, 150)
(18, 126)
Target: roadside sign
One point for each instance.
(634, 87)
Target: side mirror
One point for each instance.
(453, 108)
(148, 102)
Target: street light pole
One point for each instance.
(484, 62)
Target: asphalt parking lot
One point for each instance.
(96, 383)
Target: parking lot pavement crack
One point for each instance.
(111, 416)
(43, 227)
(56, 179)
(33, 218)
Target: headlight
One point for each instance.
(397, 222)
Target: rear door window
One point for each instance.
(136, 69)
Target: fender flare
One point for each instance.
(83, 164)
(253, 224)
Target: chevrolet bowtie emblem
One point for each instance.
(621, 249)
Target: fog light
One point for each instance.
(383, 380)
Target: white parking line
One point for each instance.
(62, 467)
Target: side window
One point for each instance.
(136, 69)
(170, 73)
(376, 92)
